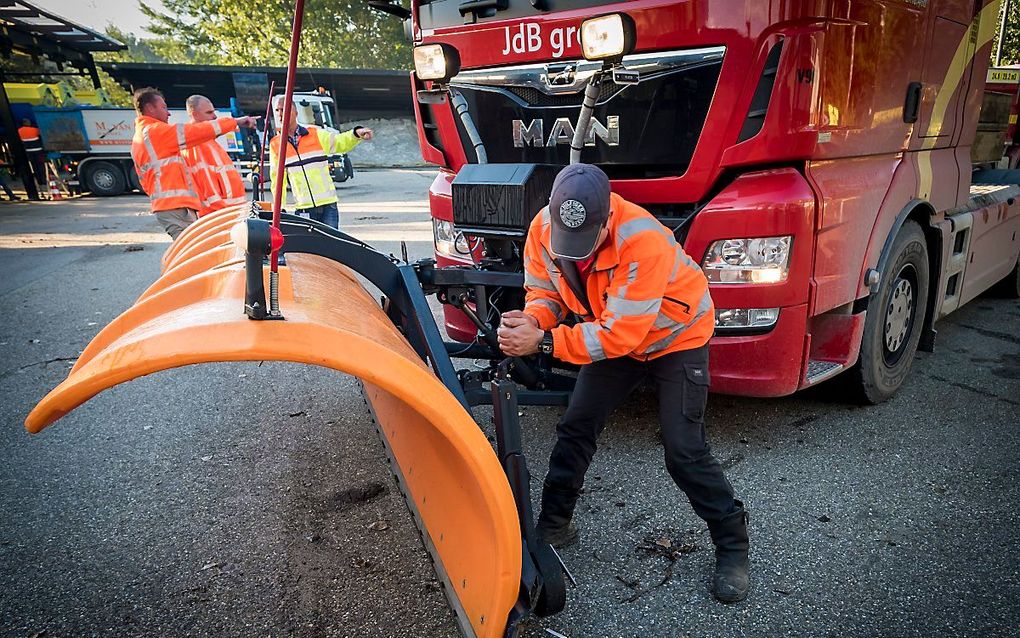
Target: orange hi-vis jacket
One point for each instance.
(647, 297)
(30, 138)
(217, 182)
(156, 150)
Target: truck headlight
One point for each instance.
(450, 242)
(607, 37)
(761, 260)
(438, 62)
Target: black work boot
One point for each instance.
(729, 534)
(554, 522)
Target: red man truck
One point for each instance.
(814, 157)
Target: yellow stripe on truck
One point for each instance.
(980, 33)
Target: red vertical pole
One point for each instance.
(288, 106)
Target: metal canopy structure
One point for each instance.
(29, 30)
(28, 18)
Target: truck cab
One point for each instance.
(814, 159)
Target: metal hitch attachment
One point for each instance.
(258, 238)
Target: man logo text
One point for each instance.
(562, 132)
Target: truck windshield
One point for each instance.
(447, 13)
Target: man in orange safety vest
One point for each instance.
(643, 311)
(217, 181)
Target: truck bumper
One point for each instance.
(765, 365)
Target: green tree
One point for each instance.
(1010, 53)
(151, 50)
(335, 33)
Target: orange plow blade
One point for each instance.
(452, 480)
(213, 222)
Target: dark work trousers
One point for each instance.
(682, 382)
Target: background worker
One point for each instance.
(647, 314)
(31, 138)
(217, 182)
(156, 150)
(307, 165)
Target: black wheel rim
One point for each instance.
(900, 312)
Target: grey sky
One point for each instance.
(96, 14)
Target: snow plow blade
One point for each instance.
(453, 482)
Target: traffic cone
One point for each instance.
(55, 194)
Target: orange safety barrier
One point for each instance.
(447, 469)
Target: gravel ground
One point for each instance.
(240, 500)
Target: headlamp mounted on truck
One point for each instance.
(436, 62)
(608, 37)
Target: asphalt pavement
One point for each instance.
(240, 499)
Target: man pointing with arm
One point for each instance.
(217, 181)
(306, 172)
(646, 314)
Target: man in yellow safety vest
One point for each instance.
(307, 165)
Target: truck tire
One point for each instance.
(895, 319)
(104, 179)
(133, 181)
(340, 170)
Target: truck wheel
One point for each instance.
(340, 170)
(104, 179)
(134, 182)
(895, 319)
(1010, 286)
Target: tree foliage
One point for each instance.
(335, 33)
(152, 50)
(1011, 42)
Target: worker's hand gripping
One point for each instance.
(519, 334)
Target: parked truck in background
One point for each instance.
(814, 158)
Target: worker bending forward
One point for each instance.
(645, 313)
(156, 150)
(307, 165)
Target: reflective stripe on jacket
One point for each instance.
(156, 150)
(647, 297)
(31, 139)
(307, 167)
(217, 182)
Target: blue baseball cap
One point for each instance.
(578, 209)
